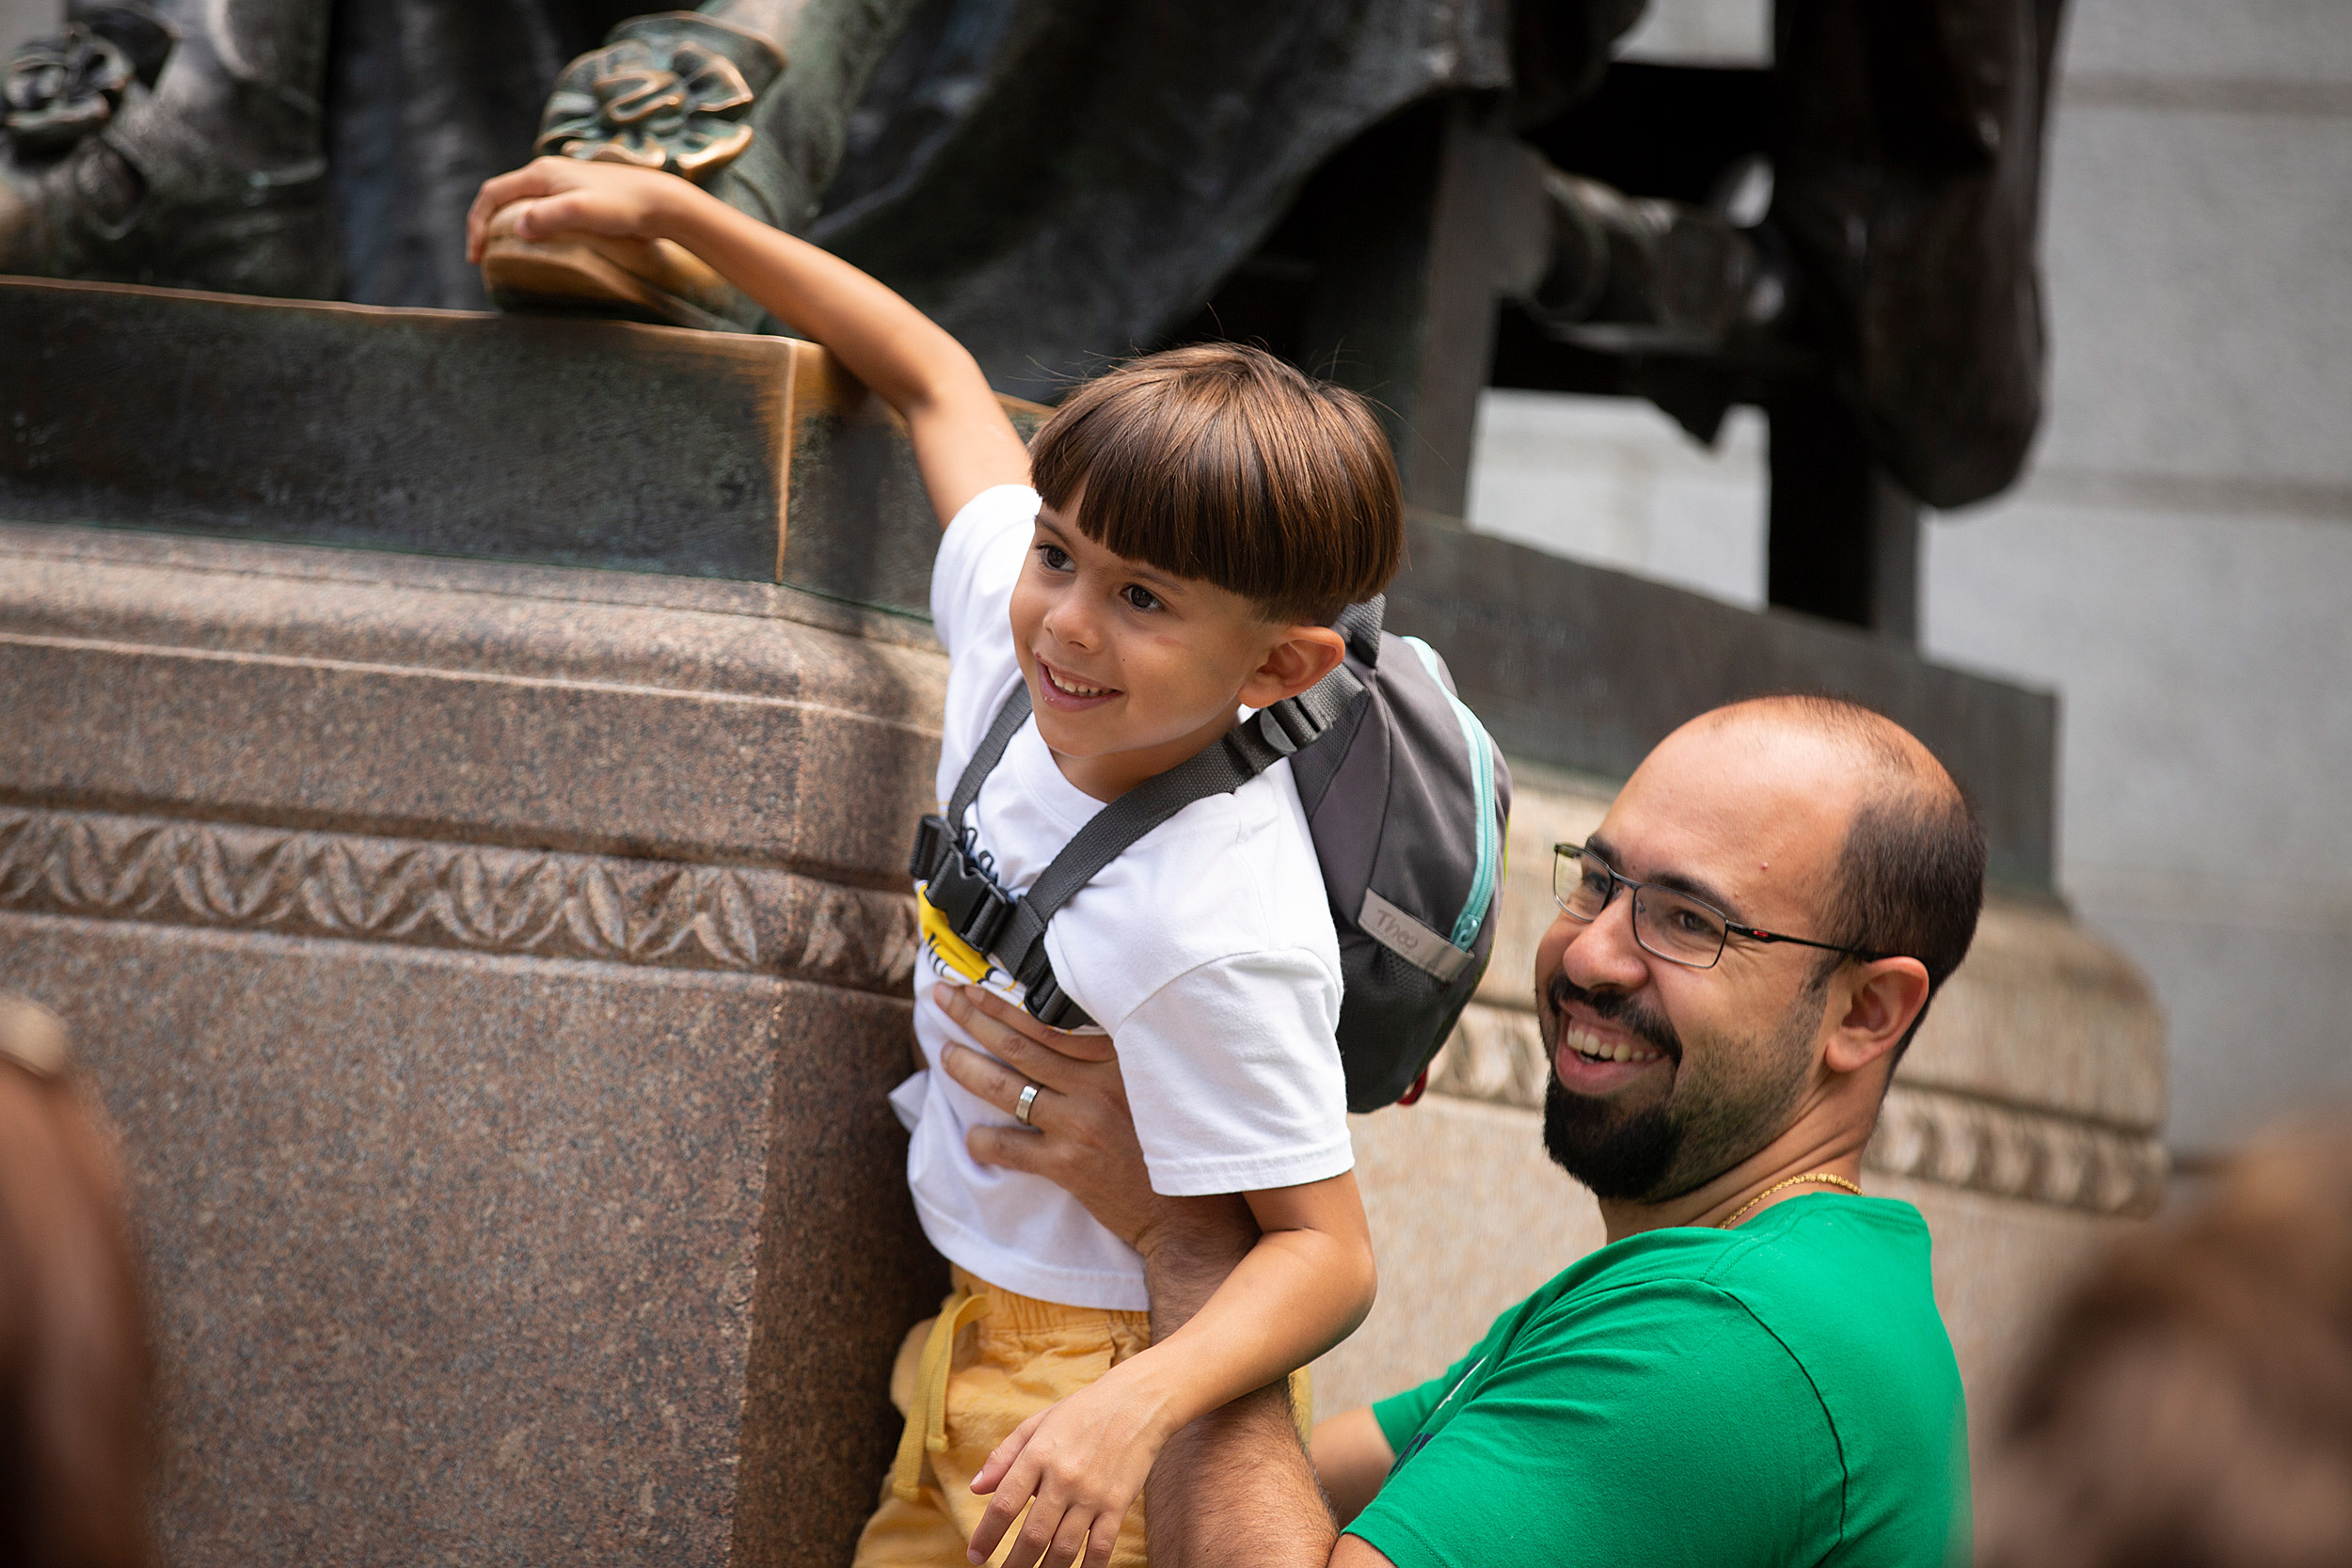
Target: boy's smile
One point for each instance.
(1068, 694)
(1132, 669)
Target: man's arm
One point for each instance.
(964, 443)
(1352, 1458)
(1075, 1468)
(1233, 1487)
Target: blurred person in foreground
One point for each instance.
(74, 1374)
(2191, 1406)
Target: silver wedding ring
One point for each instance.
(1027, 1102)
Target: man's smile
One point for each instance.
(1601, 1041)
(1590, 1062)
(1593, 1048)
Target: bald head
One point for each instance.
(1906, 872)
(1836, 752)
(1868, 740)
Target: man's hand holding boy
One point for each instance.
(1082, 1137)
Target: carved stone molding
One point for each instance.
(1989, 1147)
(1985, 1145)
(473, 897)
(1495, 1055)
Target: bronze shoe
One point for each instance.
(669, 91)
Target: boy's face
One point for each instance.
(1131, 669)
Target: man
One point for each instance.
(1752, 1371)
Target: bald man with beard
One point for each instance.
(1752, 1369)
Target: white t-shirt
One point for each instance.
(1206, 950)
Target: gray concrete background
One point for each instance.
(20, 20)
(2178, 564)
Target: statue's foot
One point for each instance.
(111, 211)
(191, 186)
(650, 280)
(671, 91)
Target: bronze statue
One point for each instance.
(1064, 181)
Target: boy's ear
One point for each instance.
(1301, 656)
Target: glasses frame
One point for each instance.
(1731, 927)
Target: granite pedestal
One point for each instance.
(495, 973)
(490, 934)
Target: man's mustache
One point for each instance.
(1614, 1007)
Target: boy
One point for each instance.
(1198, 518)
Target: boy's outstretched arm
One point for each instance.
(964, 443)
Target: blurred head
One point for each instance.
(73, 1367)
(1207, 513)
(2190, 1406)
(1805, 816)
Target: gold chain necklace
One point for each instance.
(1830, 1177)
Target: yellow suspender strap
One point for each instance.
(927, 1413)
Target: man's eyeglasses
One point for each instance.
(1674, 925)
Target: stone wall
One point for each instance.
(2180, 559)
(495, 974)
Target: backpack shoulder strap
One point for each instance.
(990, 752)
(1361, 625)
(1248, 750)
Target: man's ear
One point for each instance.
(1884, 997)
(1301, 656)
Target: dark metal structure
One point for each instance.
(1419, 198)
(1883, 305)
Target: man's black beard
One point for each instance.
(1618, 1154)
(1669, 1146)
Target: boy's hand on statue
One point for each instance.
(1077, 1465)
(572, 196)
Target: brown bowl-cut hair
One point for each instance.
(1221, 463)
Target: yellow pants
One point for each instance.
(964, 1379)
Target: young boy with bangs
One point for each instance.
(1172, 551)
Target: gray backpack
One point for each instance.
(1407, 798)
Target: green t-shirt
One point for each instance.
(1783, 1393)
